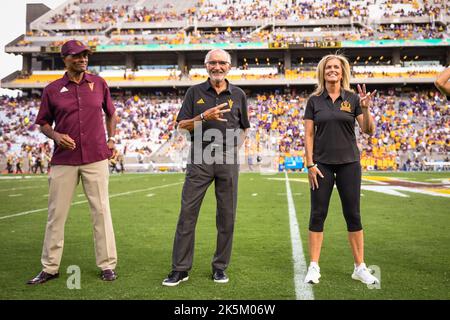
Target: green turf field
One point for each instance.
(407, 238)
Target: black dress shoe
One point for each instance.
(219, 276)
(108, 275)
(175, 277)
(43, 277)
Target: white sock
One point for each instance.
(314, 264)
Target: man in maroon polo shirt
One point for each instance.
(75, 104)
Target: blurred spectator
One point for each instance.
(412, 125)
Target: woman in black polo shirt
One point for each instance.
(332, 156)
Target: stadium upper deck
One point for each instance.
(101, 14)
(157, 43)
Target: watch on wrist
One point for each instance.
(311, 166)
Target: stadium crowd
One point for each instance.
(120, 17)
(106, 13)
(277, 37)
(412, 127)
(21, 144)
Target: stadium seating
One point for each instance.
(146, 129)
(41, 77)
(288, 37)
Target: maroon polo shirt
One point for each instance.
(77, 110)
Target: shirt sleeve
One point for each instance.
(309, 110)
(187, 108)
(244, 113)
(108, 105)
(358, 109)
(45, 115)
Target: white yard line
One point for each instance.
(84, 201)
(303, 291)
(23, 188)
(7, 178)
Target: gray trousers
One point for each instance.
(198, 178)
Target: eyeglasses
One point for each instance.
(220, 63)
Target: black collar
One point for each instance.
(343, 94)
(207, 86)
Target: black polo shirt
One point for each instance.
(334, 123)
(202, 97)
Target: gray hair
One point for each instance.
(208, 55)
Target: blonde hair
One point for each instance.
(320, 73)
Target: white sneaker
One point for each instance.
(363, 274)
(313, 274)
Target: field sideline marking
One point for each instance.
(8, 178)
(84, 201)
(303, 291)
(23, 188)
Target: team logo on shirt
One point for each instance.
(346, 106)
(230, 103)
(91, 85)
(201, 101)
(63, 89)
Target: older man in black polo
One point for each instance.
(215, 115)
(75, 104)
